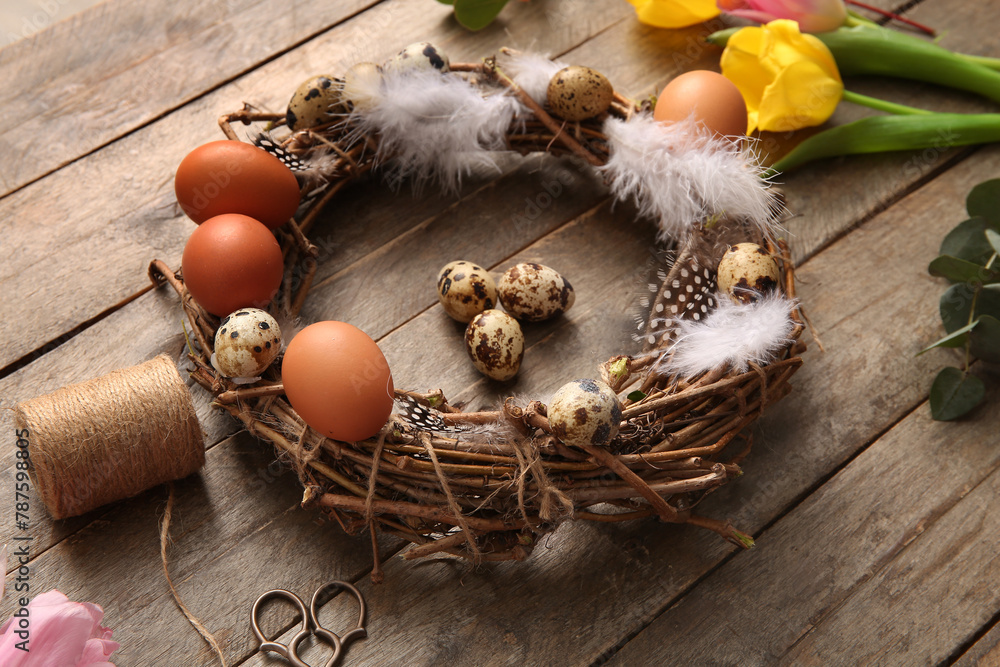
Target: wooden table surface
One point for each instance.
(876, 527)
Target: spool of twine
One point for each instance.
(111, 438)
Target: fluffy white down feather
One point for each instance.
(530, 71)
(682, 177)
(734, 334)
(435, 127)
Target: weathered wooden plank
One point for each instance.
(95, 77)
(935, 595)
(108, 215)
(397, 280)
(985, 652)
(613, 580)
(886, 523)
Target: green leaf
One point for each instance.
(447, 2)
(477, 14)
(956, 303)
(954, 339)
(967, 241)
(994, 240)
(984, 201)
(985, 340)
(954, 393)
(636, 396)
(960, 271)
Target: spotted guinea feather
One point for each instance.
(288, 159)
(422, 418)
(685, 291)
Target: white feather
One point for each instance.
(682, 176)
(435, 127)
(734, 334)
(530, 71)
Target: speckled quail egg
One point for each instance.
(246, 343)
(746, 271)
(578, 93)
(360, 86)
(495, 344)
(533, 292)
(465, 290)
(585, 412)
(315, 102)
(418, 56)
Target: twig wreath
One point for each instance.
(487, 485)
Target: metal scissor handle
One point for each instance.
(310, 624)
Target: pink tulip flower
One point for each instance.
(811, 15)
(59, 633)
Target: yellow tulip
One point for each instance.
(674, 13)
(789, 80)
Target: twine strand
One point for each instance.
(192, 619)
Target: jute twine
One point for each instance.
(112, 437)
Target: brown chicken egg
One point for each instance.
(708, 98)
(578, 93)
(338, 381)
(235, 177)
(232, 261)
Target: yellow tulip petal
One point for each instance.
(674, 13)
(800, 96)
(740, 64)
(788, 80)
(783, 44)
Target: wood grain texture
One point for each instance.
(108, 215)
(857, 522)
(985, 652)
(937, 593)
(114, 67)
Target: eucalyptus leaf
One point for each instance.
(954, 393)
(984, 201)
(985, 340)
(994, 240)
(956, 304)
(636, 396)
(956, 338)
(477, 14)
(960, 271)
(968, 241)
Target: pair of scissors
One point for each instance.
(310, 624)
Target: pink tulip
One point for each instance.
(59, 633)
(811, 15)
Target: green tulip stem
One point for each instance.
(985, 61)
(882, 105)
(877, 134)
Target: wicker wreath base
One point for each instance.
(493, 497)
